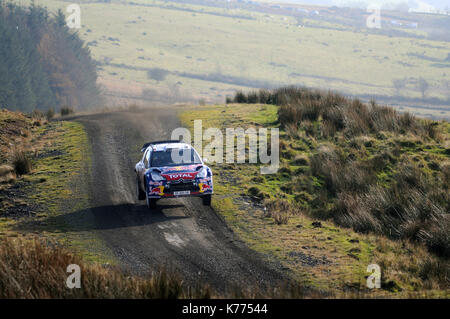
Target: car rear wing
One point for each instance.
(144, 147)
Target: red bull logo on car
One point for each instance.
(204, 187)
(157, 191)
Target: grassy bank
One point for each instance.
(289, 216)
(49, 198)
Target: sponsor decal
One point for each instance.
(178, 176)
(157, 190)
(204, 187)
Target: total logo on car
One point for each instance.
(171, 169)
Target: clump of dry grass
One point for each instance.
(279, 210)
(21, 162)
(32, 269)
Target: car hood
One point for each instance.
(182, 172)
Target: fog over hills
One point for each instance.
(414, 5)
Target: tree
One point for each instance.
(157, 74)
(399, 84)
(43, 64)
(423, 86)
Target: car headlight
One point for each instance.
(203, 172)
(156, 176)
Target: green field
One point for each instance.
(210, 52)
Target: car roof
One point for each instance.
(164, 146)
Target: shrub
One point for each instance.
(252, 98)
(50, 114)
(435, 270)
(21, 162)
(66, 111)
(37, 115)
(279, 210)
(264, 96)
(300, 160)
(240, 97)
(157, 74)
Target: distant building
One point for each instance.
(413, 25)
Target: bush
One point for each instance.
(21, 162)
(157, 74)
(37, 115)
(240, 97)
(279, 210)
(67, 111)
(50, 114)
(252, 98)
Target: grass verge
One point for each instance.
(320, 253)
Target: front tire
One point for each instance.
(151, 203)
(140, 194)
(206, 200)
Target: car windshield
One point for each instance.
(173, 157)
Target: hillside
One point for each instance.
(246, 46)
(358, 184)
(43, 65)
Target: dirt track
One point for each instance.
(182, 233)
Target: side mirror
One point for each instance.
(205, 160)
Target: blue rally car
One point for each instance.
(172, 169)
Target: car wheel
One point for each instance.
(151, 203)
(140, 194)
(206, 200)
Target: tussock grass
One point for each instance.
(33, 269)
(279, 210)
(21, 162)
(299, 106)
